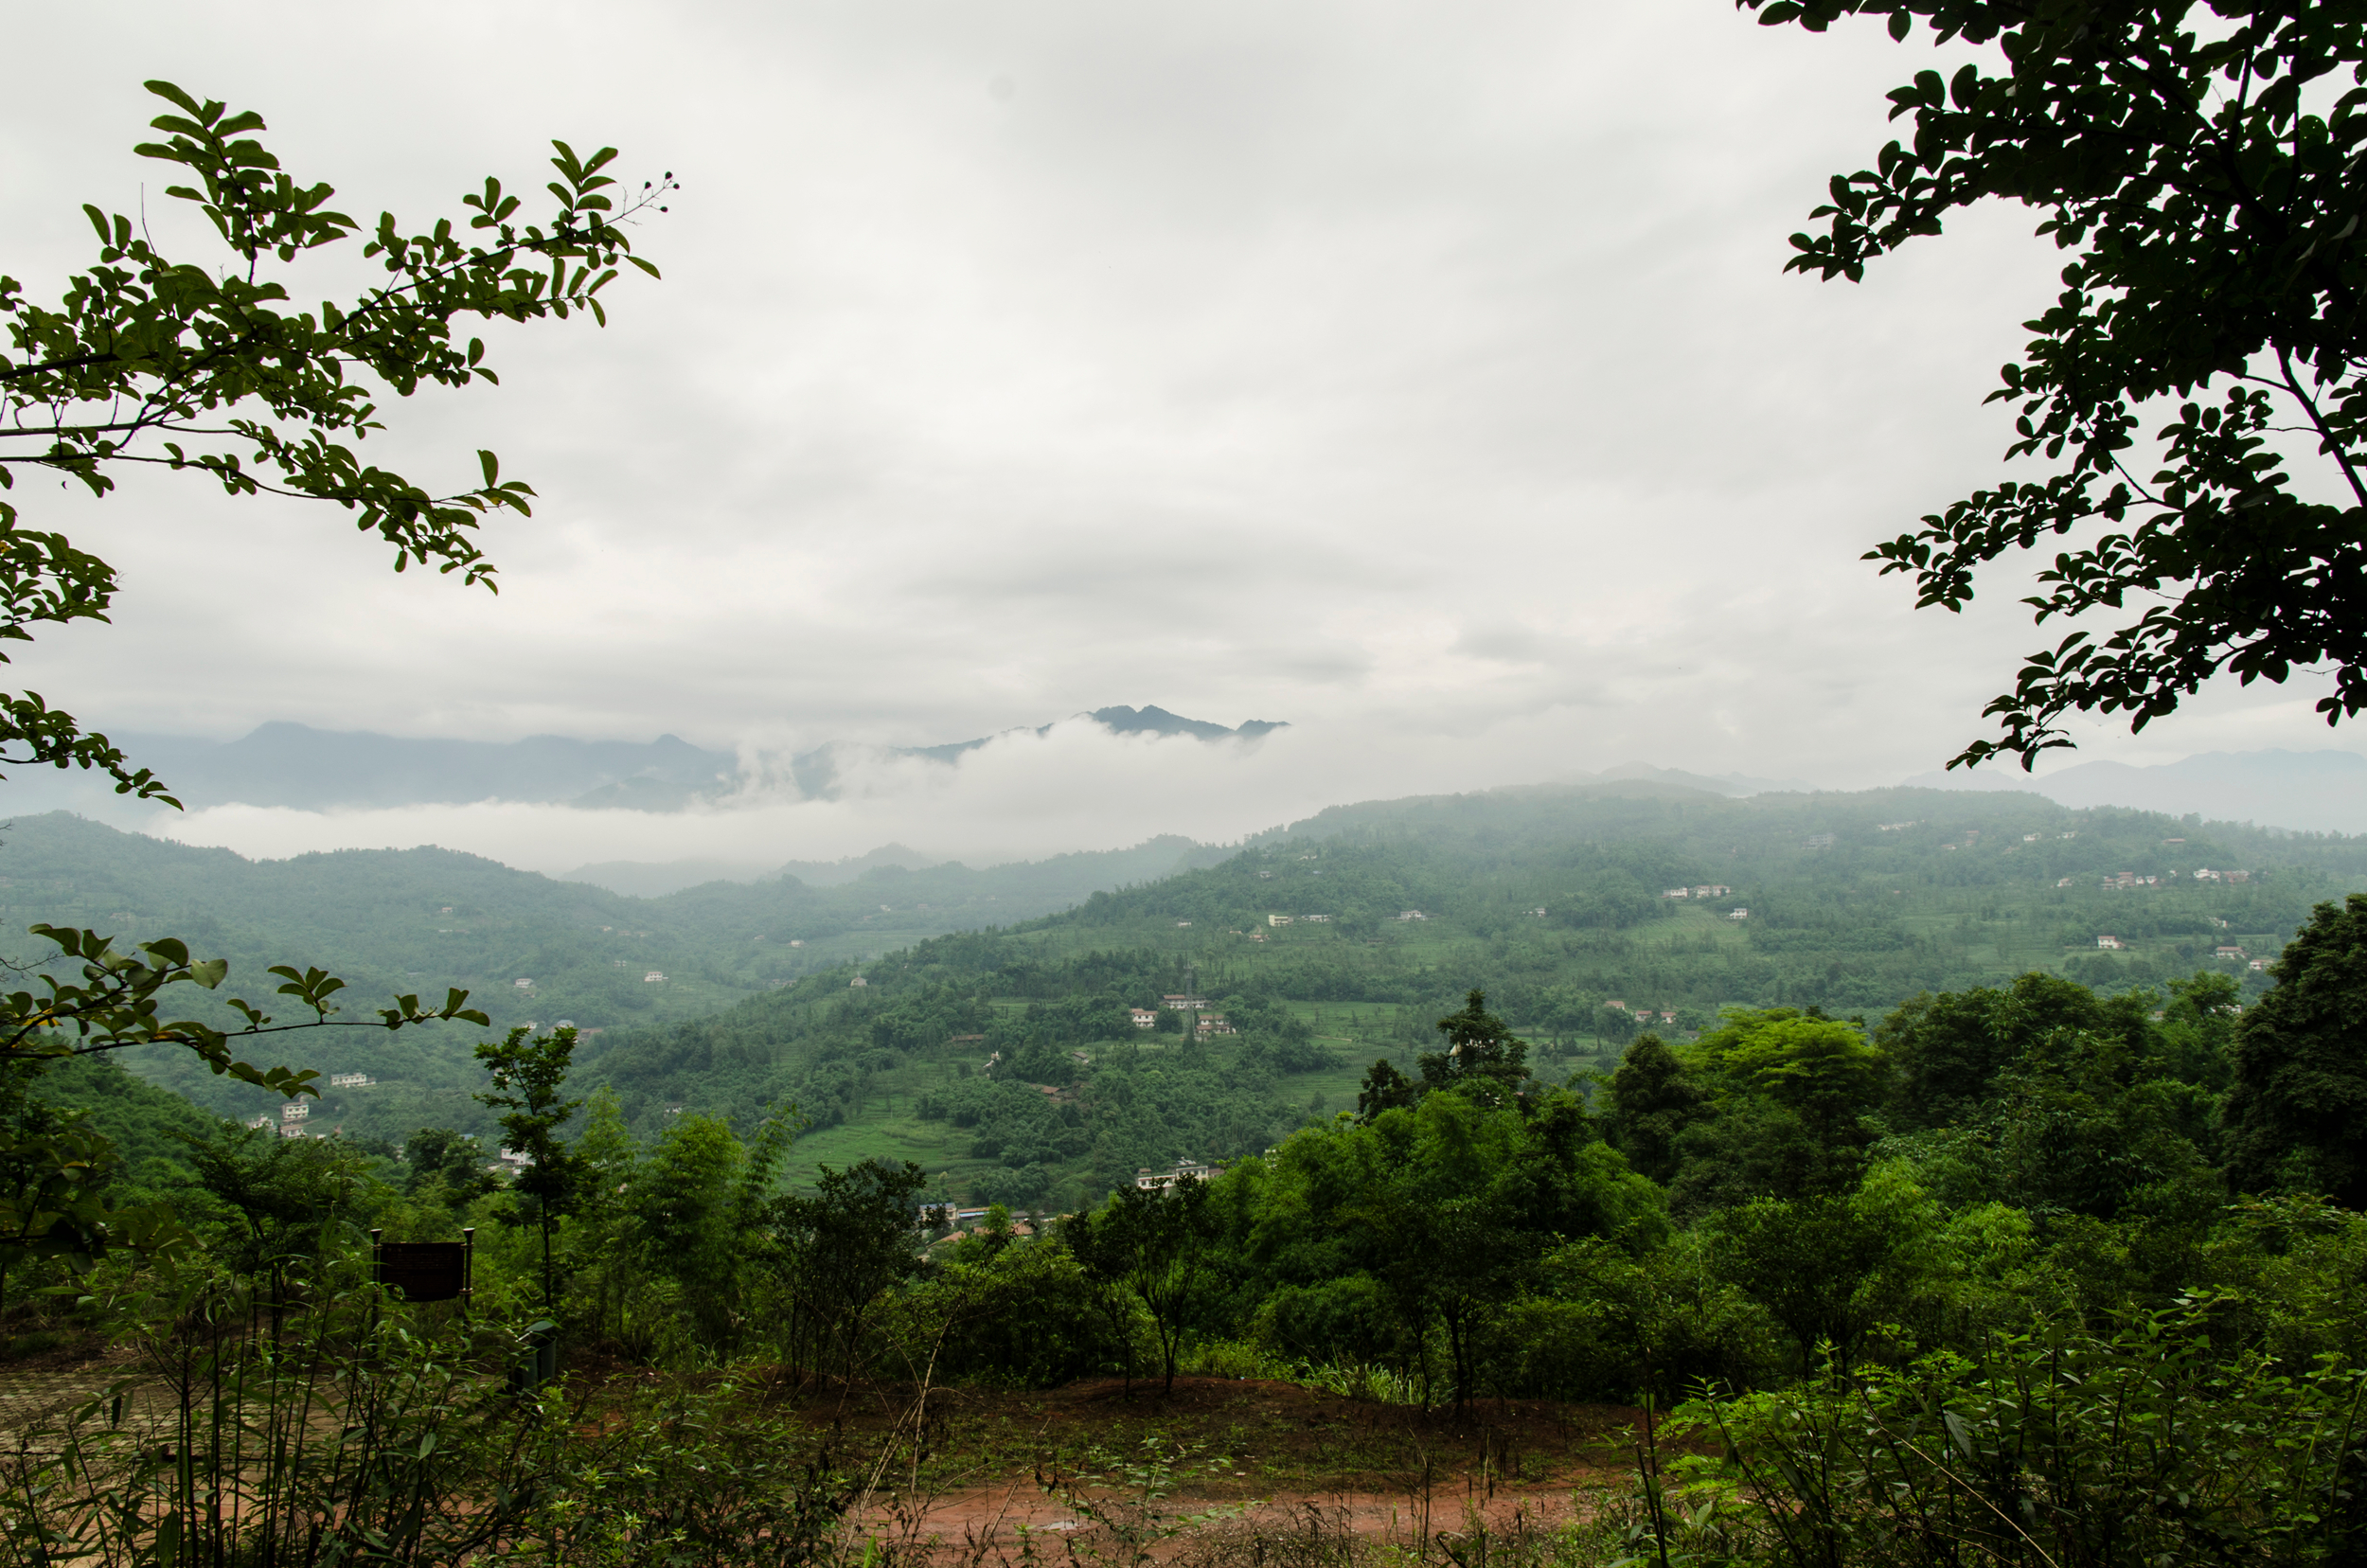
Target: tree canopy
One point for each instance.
(2200, 164)
(2297, 1111)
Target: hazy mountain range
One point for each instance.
(1725, 784)
(1088, 869)
(2043, 879)
(314, 770)
(289, 765)
(2319, 792)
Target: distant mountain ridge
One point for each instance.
(282, 765)
(2319, 792)
(1725, 784)
(816, 771)
(1152, 858)
(1564, 861)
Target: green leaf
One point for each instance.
(172, 94)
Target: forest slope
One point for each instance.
(1553, 901)
(421, 921)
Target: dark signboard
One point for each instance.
(424, 1271)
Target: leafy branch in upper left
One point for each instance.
(150, 359)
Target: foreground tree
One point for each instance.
(1155, 1244)
(2202, 168)
(205, 368)
(529, 1073)
(1652, 1098)
(840, 1249)
(2297, 1115)
(1481, 1057)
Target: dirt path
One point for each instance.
(990, 1525)
(32, 1394)
(1262, 1470)
(37, 1395)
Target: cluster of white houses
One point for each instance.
(2120, 879)
(1184, 1170)
(2229, 951)
(295, 1114)
(1205, 1023)
(1707, 890)
(1326, 919)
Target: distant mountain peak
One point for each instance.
(1157, 721)
(282, 763)
(1726, 784)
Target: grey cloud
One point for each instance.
(1426, 373)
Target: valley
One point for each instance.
(1324, 946)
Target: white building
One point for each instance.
(1186, 1170)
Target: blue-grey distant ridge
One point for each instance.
(281, 764)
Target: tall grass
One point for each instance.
(1350, 1381)
(298, 1418)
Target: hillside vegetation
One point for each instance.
(422, 921)
(1863, 1121)
(1855, 903)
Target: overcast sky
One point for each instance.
(1424, 375)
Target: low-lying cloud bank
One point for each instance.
(1077, 786)
(1019, 796)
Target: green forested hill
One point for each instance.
(1552, 900)
(421, 920)
(139, 1118)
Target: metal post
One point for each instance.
(468, 1267)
